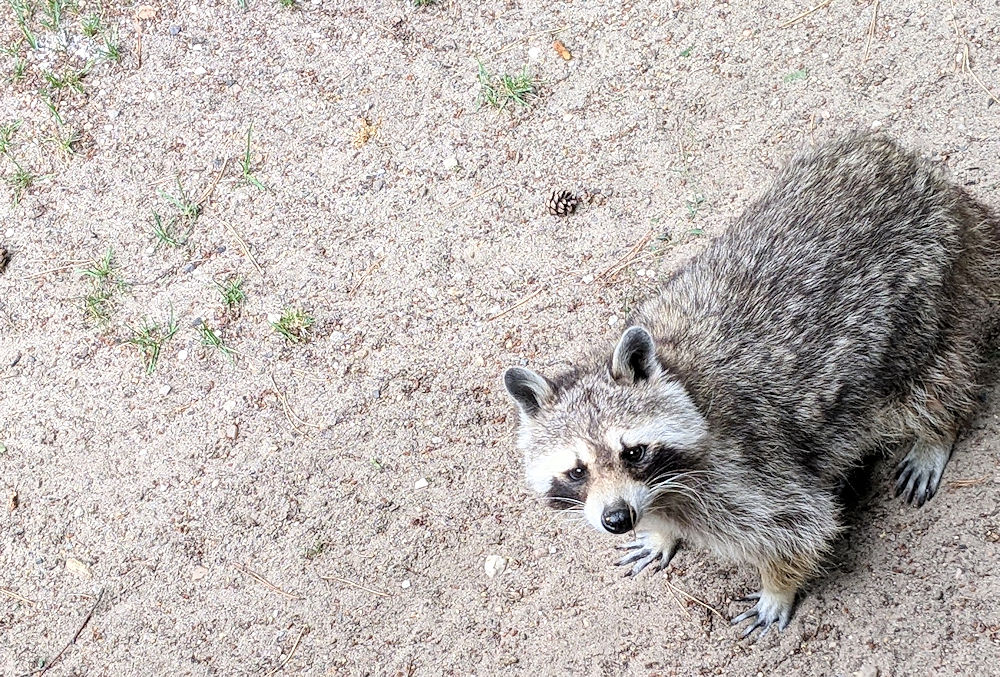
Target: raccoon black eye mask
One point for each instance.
(850, 308)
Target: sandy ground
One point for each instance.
(271, 516)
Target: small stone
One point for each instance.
(164, 390)
(451, 163)
(613, 320)
(494, 565)
(198, 573)
(868, 670)
(436, 440)
(552, 550)
(77, 567)
(174, 30)
(182, 355)
(199, 71)
(422, 483)
(534, 53)
(405, 584)
(274, 318)
(479, 361)
(232, 431)
(587, 279)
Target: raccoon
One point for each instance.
(849, 310)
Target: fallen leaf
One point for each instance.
(146, 12)
(561, 48)
(77, 567)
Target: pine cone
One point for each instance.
(562, 203)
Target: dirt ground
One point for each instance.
(327, 506)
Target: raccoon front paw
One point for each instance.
(918, 475)
(770, 608)
(650, 548)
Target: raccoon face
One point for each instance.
(615, 442)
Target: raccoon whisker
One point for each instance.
(670, 486)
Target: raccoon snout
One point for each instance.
(618, 518)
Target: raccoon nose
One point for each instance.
(618, 518)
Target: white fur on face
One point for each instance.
(680, 432)
(542, 469)
(634, 494)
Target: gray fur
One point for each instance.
(849, 308)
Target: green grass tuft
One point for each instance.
(800, 74)
(98, 303)
(232, 293)
(149, 340)
(91, 25)
(187, 208)
(112, 49)
(7, 132)
(212, 340)
(506, 90)
(246, 164)
(294, 325)
(165, 234)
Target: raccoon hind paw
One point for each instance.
(918, 475)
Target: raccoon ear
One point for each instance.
(530, 391)
(635, 357)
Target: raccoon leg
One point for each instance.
(780, 582)
(918, 475)
(656, 544)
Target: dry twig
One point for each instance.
(86, 619)
(871, 28)
(516, 305)
(208, 193)
(364, 275)
(966, 65)
(291, 653)
(697, 601)
(14, 595)
(804, 14)
(67, 266)
(331, 577)
(967, 482)
(246, 249)
(617, 266)
(461, 202)
(549, 31)
(266, 583)
(295, 420)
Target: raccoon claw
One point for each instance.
(770, 609)
(650, 548)
(918, 475)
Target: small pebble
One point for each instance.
(174, 30)
(613, 320)
(164, 390)
(198, 573)
(422, 483)
(232, 431)
(494, 565)
(405, 584)
(451, 163)
(199, 71)
(182, 355)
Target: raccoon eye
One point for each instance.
(577, 474)
(634, 454)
